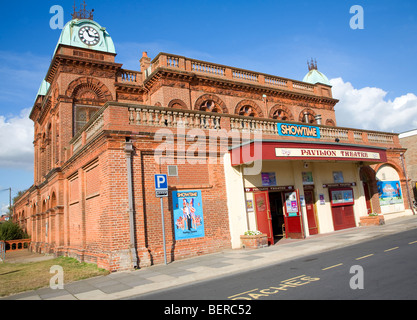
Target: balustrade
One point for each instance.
(208, 68)
(127, 76)
(152, 116)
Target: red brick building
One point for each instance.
(103, 132)
(409, 141)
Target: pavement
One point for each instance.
(126, 284)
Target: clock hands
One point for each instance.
(89, 35)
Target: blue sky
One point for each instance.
(372, 71)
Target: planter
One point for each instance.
(372, 221)
(254, 242)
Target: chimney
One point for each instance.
(145, 62)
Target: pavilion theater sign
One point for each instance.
(327, 153)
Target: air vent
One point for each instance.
(172, 171)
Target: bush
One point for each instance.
(12, 231)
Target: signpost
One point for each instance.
(161, 191)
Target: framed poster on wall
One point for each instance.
(188, 214)
(341, 196)
(268, 179)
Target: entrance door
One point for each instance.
(277, 214)
(311, 215)
(263, 214)
(342, 201)
(293, 219)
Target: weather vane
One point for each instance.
(82, 13)
(312, 65)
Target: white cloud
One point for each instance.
(367, 108)
(4, 209)
(16, 141)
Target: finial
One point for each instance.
(312, 65)
(82, 13)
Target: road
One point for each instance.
(382, 269)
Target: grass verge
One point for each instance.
(21, 277)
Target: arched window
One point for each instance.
(307, 116)
(330, 122)
(281, 114)
(210, 106)
(248, 111)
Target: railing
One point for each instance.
(90, 130)
(16, 245)
(161, 117)
(208, 68)
(128, 76)
(226, 72)
(173, 118)
(245, 75)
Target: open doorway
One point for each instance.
(277, 215)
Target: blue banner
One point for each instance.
(295, 130)
(188, 214)
(389, 192)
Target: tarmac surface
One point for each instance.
(125, 284)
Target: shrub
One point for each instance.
(12, 231)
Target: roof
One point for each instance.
(408, 134)
(314, 76)
(70, 36)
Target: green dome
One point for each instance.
(43, 89)
(71, 36)
(314, 76)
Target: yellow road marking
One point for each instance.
(413, 242)
(391, 249)
(336, 265)
(369, 255)
(241, 293)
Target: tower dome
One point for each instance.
(86, 34)
(314, 76)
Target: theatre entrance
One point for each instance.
(278, 214)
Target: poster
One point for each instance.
(188, 214)
(307, 178)
(389, 193)
(322, 200)
(338, 177)
(291, 204)
(268, 179)
(342, 196)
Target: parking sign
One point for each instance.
(161, 185)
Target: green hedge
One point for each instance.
(12, 231)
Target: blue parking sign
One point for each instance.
(161, 185)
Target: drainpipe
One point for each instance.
(406, 184)
(129, 150)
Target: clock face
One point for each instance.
(89, 35)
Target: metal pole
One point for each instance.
(10, 203)
(163, 229)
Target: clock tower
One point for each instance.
(80, 80)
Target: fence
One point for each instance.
(2, 251)
(15, 245)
